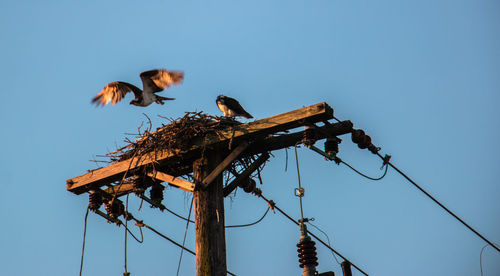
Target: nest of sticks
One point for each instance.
(175, 136)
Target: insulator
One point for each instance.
(346, 268)
(332, 146)
(359, 137)
(307, 252)
(156, 193)
(248, 185)
(95, 201)
(114, 208)
(309, 137)
(258, 192)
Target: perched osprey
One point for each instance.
(231, 107)
(153, 81)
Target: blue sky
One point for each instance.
(422, 78)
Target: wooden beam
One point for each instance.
(224, 164)
(124, 189)
(246, 173)
(172, 180)
(289, 140)
(277, 123)
(282, 141)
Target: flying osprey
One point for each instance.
(231, 107)
(153, 81)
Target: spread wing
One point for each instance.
(114, 92)
(159, 79)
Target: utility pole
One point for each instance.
(209, 219)
(207, 158)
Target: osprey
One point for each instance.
(153, 81)
(231, 107)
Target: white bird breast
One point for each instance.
(148, 97)
(227, 112)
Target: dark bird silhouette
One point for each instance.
(153, 81)
(231, 107)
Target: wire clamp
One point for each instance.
(300, 192)
(386, 161)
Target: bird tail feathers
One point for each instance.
(164, 98)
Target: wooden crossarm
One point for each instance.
(246, 173)
(224, 164)
(278, 142)
(172, 180)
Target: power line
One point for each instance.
(300, 192)
(440, 204)
(141, 224)
(163, 207)
(364, 175)
(250, 224)
(481, 258)
(271, 203)
(337, 160)
(84, 235)
(326, 235)
(185, 234)
(125, 246)
(387, 163)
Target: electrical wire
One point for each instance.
(250, 224)
(84, 235)
(179, 216)
(300, 194)
(481, 258)
(327, 238)
(126, 223)
(364, 175)
(163, 207)
(132, 234)
(142, 224)
(338, 161)
(439, 203)
(271, 203)
(185, 234)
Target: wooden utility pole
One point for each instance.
(209, 219)
(207, 158)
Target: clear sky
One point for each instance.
(421, 77)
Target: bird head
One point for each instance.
(220, 98)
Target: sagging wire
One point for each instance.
(84, 235)
(481, 258)
(337, 160)
(185, 234)
(163, 207)
(364, 175)
(140, 224)
(364, 142)
(250, 224)
(274, 206)
(326, 235)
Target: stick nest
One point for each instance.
(175, 136)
